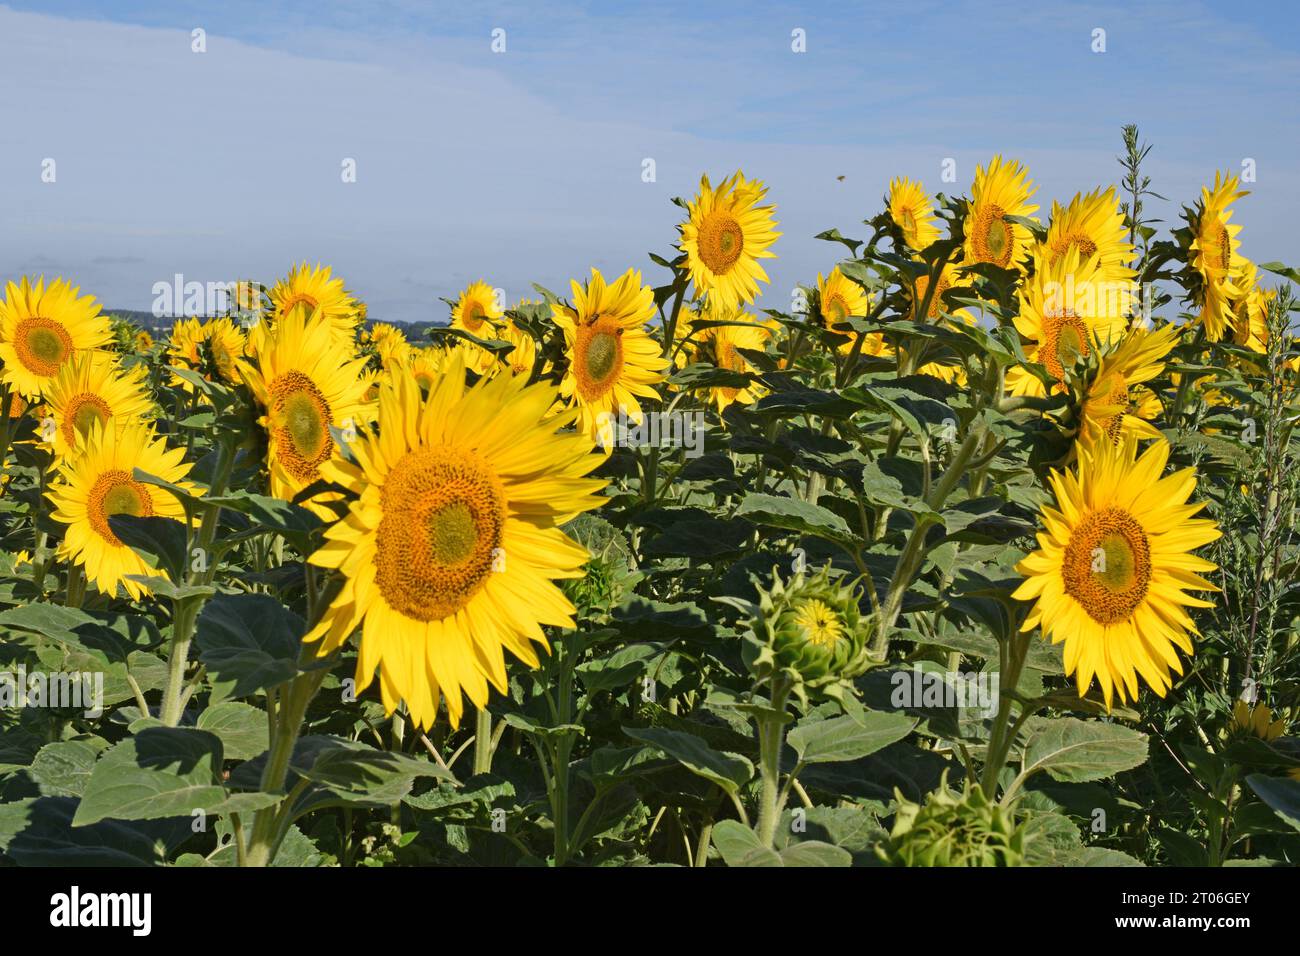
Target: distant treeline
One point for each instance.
(415, 331)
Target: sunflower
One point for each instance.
(1250, 311)
(424, 364)
(1212, 253)
(389, 343)
(99, 482)
(143, 342)
(1002, 191)
(839, 297)
(719, 345)
(948, 279)
(724, 236)
(612, 358)
(1116, 404)
(1113, 565)
(216, 349)
(93, 389)
(1094, 225)
(1064, 311)
(450, 550)
(1256, 719)
(912, 212)
(520, 358)
(41, 328)
(306, 381)
(476, 305)
(324, 297)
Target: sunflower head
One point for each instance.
(423, 364)
(839, 298)
(476, 306)
(912, 213)
(948, 279)
(523, 351)
(389, 343)
(320, 294)
(1093, 227)
(1250, 311)
(216, 349)
(452, 544)
(307, 382)
(99, 482)
(954, 828)
(721, 345)
(1000, 191)
(1209, 245)
(810, 630)
(1066, 311)
(1256, 720)
(1114, 565)
(612, 359)
(92, 390)
(41, 329)
(725, 234)
(1115, 401)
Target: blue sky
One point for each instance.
(526, 165)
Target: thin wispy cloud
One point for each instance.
(526, 166)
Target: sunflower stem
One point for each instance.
(914, 551)
(483, 741)
(1014, 649)
(270, 823)
(771, 738)
(185, 610)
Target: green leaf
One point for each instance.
(532, 725)
(294, 522)
(160, 772)
(249, 642)
(815, 853)
(1280, 793)
(1077, 751)
(1278, 268)
(49, 620)
(792, 514)
(63, 769)
(619, 670)
(739, 846)
(39, 832)
(641, 617)
(242, 728)
(844, 738)
(352, 774)
(160, 541)
(729, 771)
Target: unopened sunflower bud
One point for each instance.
(811, 629)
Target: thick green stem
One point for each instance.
(771, 738)
(909, 561)
(184, 614)
(483, 741)
(562, 751)
(185, 610)
(268, 824)
(1015, 648)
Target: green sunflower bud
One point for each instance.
(811, 630)
(954, 829)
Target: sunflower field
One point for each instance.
(980, 550)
